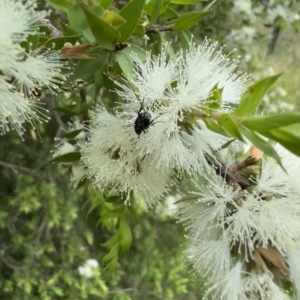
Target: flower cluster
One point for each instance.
(246, 241)
(22, 73)
(247, 12)
(152, 133)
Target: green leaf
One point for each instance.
(31, 43)
(105, 34)
(58, 43)
(157, 5)
(261, 143)
(117, 213)
(124, 59)
(125, 235)
(214, 126)
(72, 134)
(112, 257)
(67, 30)
(87, 67)
(185, 2)
(288, 136)
(209, 6)
(104, 3)
(170, 12)
(262, 124)
(187, 198)
(133, 212)
(98, 79)
(63, 5)
(111, 241)
(131, 13)
(68, 157)
(67, 111)
(214, 101)
(113, 18)
(79, 22)
(252, 98)
(188, 20)
(112, 253)
(139, 30)
(230, 126)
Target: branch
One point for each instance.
(230, 173)
(14, 168)
(157, 29)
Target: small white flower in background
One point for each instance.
(274, 101)
(121, 159)
(88, 269)
(241, 36)
(22, 73)
(245, 241)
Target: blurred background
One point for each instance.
(49, 232)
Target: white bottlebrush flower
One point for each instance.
(258, 225)
(114, 164)
(261, 286)
(22, 73)
(172, 89)
(293, 258)
(123, 154)
(228, 287)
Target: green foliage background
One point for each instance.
(48, 230)
(46, 235)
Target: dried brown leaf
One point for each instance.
(273, 256)
(75, 52)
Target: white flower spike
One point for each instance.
(246, 240)
(22, 73)
(150, 134)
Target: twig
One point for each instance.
(54, 31)
(16, 167)
(157, 29)
(229, 174)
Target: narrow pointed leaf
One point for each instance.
(62, 5)
(231, 127)
(124, 59)
(188, 20)
(288, 136)
(125, 235)
(262, 124)
(185, 2)
(261, 143)
(103, 33)
(72, 134)
(131, 13)
(68, 157)
(252, 98)
(86, 68)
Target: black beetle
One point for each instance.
(142, 122)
